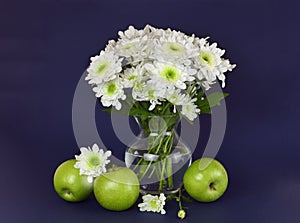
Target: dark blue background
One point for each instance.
(44, 48)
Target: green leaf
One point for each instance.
(200, 94)
(139, 111)
(205, 103)
(171, 196)
(215, 98)
(186, 199)
(108, 110)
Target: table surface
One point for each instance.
(44, 49)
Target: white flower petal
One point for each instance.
(95, 148)
(90, 179)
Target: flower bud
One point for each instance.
(181, 214)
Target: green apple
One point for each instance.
(118, 189)
(205, 180)
(69, 184)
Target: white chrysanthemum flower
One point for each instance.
(134, 50)
(138, 90)
(92, 161)
(110, 93)
(133, 45)
(189, 108)
(176, 97)
(154, 94)
(130, 33)
(153, 203)
(210, 64)
(153, 33)
(148, 91)
(131, 75)
(170, 75)
(103, 67)
(174, 46)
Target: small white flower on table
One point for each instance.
(153, 203)
(92, 161)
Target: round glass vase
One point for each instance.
(159, 157)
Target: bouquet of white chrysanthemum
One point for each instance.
(157, 68)
(158, 73)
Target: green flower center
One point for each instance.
(151, 93)
(138, 86)
(174, 48)
(131, 77)
(170, 73)
(188, 108)
(128, 46)
(173, 99)
(153, 204)
(93, 161)
(102, 67)
(111, 89)
(207, 58)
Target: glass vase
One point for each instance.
(159, 157)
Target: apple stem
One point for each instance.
(212, 186)
(67, 191)
(113, 167)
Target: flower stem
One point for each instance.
(162, 174)
(161, 137)
(169, 161)
(157, 159)
(170, 172)
(179, 198)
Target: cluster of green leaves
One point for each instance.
(140, 108)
